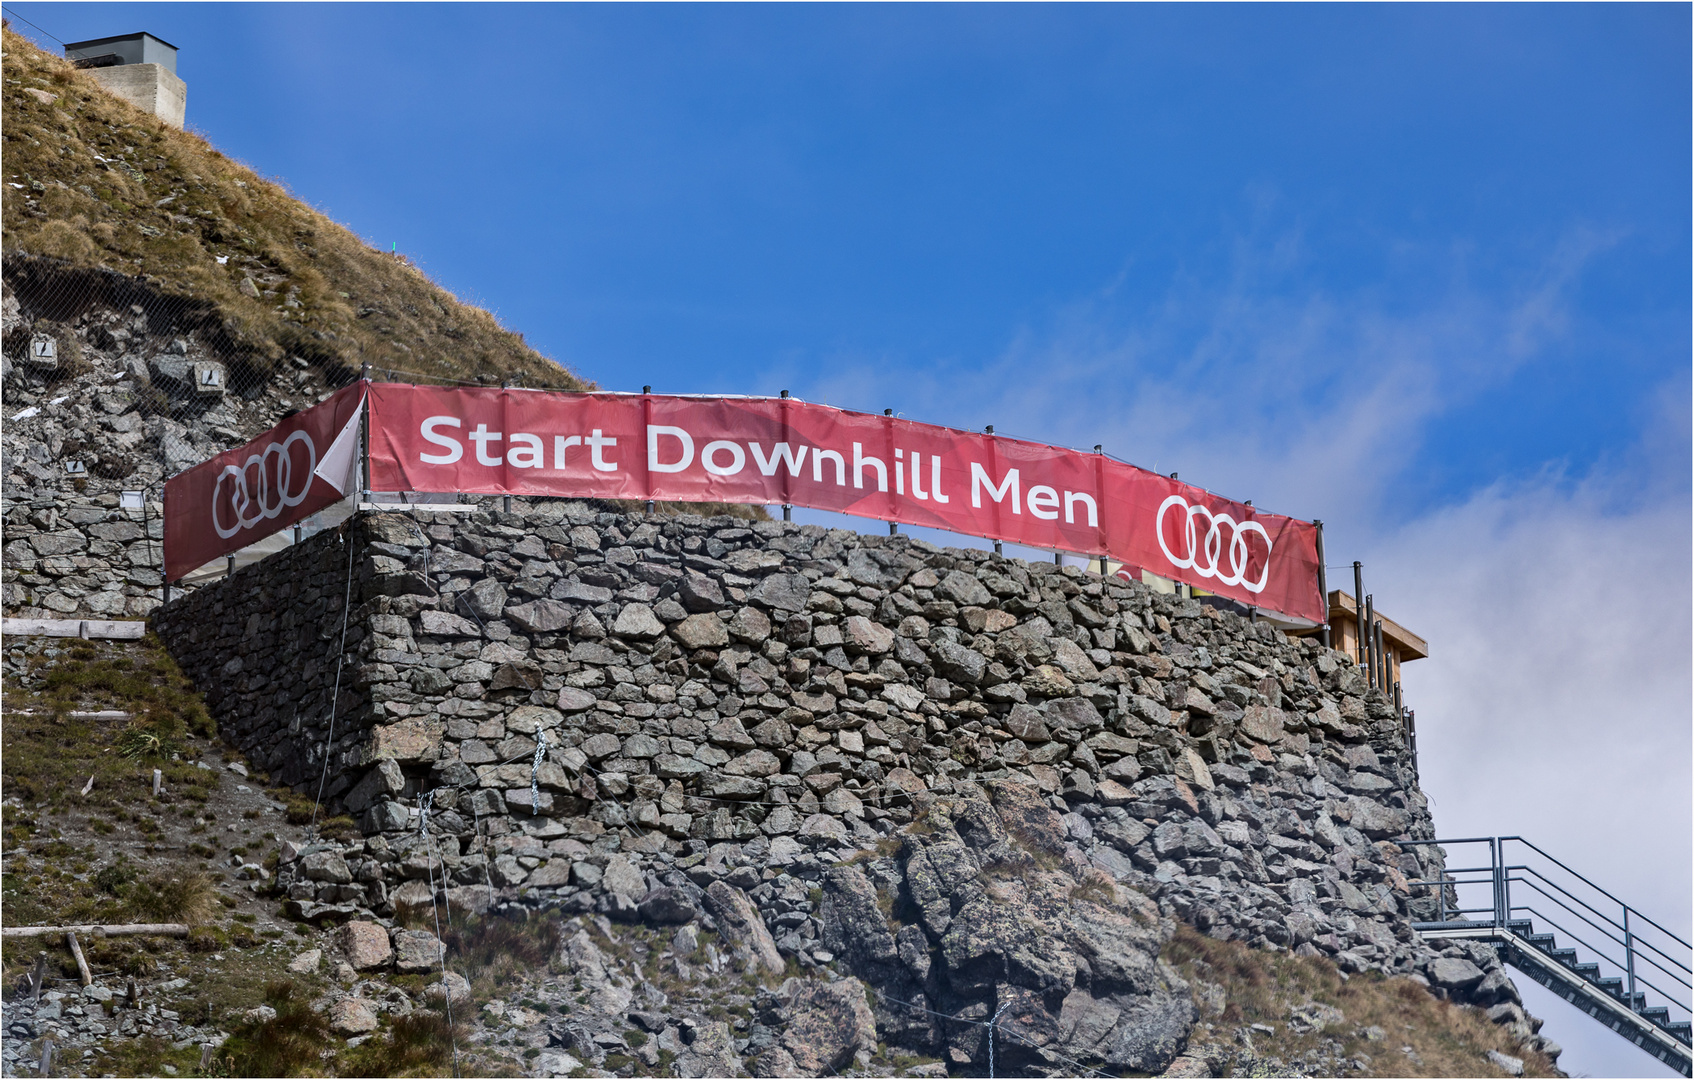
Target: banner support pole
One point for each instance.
(1323, 586)
(647, 422)
(787, 508)
(1369, 626)
(1359, 606)
(894, 526)
(506, 504)
(365, 435)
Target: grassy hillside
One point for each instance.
(98, 183)
(1277, 1014)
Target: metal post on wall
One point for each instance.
(365, 437)
(1359, 608)
(1368, 640)
(1323, 587)
(787, 509)
(506, 503)
(1100, 449)
(1629, 955)
(893, 526)
(646, 391)
(1381, 654)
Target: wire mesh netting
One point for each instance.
(108, 378)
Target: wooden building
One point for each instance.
(1399, 645)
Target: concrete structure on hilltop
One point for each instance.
(139, 68)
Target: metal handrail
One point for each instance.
(1597, 912)
(1628, 942)
(1623, 967)
(1570, 909)
(1639, 978)
(1500, 876)
(1596, 888)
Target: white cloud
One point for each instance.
(1556, 699)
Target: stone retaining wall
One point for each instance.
(754, 704)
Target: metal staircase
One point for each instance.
(1610, 954)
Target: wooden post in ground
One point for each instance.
(81, 964)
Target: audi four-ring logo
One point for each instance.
(1205, 549)
(259, 502)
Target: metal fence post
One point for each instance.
(1359, 607)
(1629, 956)
(1382, 658)
(1323, 587)
(647, 421)
(1367, 644)
(893, 526)
(1495, 856)
(365, 436)
(506, 503)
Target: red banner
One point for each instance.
(292, 471)
(781, 451)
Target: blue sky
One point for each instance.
(1421, 271)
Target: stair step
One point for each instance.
(1566, 957)
(1681, 1030)
(1520, 927)
(1588, 971)
(1544, 942)
(1657, 1015)
(1613, 987)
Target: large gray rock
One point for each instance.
(959, 663)
(826, 1024)
(326, 866)
(1454, 973)
(622, 877)
(963, 589)
(782, 591)
(352, 1016)
(699, 593)
(383, 781)
(743, 927)
(853, 924)
(417, 950)
(366, 945)
(667, 907)
(637, 621)
(702, 631)
(541, 616)
(487, 598)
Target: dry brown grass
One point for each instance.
(1263, 987)
(175, 895)
(325, 295)
(493, 953)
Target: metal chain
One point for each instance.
(993, 1025)
(535, 773)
